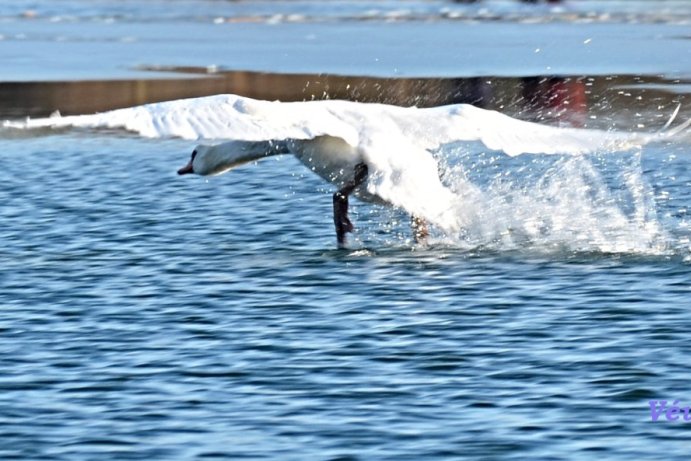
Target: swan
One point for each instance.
(376, 152)
(333, 159)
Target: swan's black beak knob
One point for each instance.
(187, 169)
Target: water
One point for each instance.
(149, 316)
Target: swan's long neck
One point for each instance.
(220, 158)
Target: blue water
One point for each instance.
(149, 316)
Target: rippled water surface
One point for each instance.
(155, 317)
(149, 316)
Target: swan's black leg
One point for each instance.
(420, 231)
(340, 199)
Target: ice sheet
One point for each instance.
(68, 40)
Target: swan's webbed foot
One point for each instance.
(420, 230)
(340, 203)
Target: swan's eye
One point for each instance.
(194, 154)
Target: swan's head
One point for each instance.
(207, 160)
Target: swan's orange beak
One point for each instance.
(187, 169)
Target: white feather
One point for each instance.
(231, 117)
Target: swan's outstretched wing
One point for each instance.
(230, 117)
(221, 117)
(440, 125)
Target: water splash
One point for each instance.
(573, 204)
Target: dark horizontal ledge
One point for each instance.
(578, 99)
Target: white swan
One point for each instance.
(350, 169)
(377, 152)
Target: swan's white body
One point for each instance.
(332, 137)
(332, 159)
